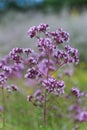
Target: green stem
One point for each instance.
(45, 109)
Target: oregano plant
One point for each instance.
(49, 59)
(53, 52)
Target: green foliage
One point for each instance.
(22, 115)
(76, 3)
(58, 4)
(55, 4)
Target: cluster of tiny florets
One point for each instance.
(76, 92)
(60, 36)
(53, 86)
(82, 116)
(79, 114)
(3, 79)
(32, 32)
(69, 55)
(32, 73)
(11, 88)
(45, 45)
(15, 55)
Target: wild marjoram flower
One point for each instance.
(49, 59)
(41, 65)
(77, 111)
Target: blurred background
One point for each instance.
(16, 16)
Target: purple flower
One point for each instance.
(7, 69)
(31, 61)
(53, 86)
(37, 93)
(60, 36)
(75, 108)
(73, 54)
(46, 45)
(15, 51)
(32, 31)
(75, 91)
(32, 73)
(15, 55)
(82, 116)
(14, 87)
(29, 97)
(3, 79)
(38, 97)
(28, 51)
(69, 55)
(42, 27)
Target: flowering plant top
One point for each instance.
(39, 65)
(53, 53)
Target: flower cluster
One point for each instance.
(53, 86)
(76, 92)
(45, 45)
(15, 54)
(13, 65)
(80, 115)
(32, 32)
(32, 73)
(37, 98)
(60, 36)
(10, 67)
(73, 54)
(69, 55)
(11, 88)
(7, 71)
(3, 79)
(50, 57)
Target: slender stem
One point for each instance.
(45, 109)
(3, 101)
(57, 68)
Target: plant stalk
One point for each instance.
(45, 109)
